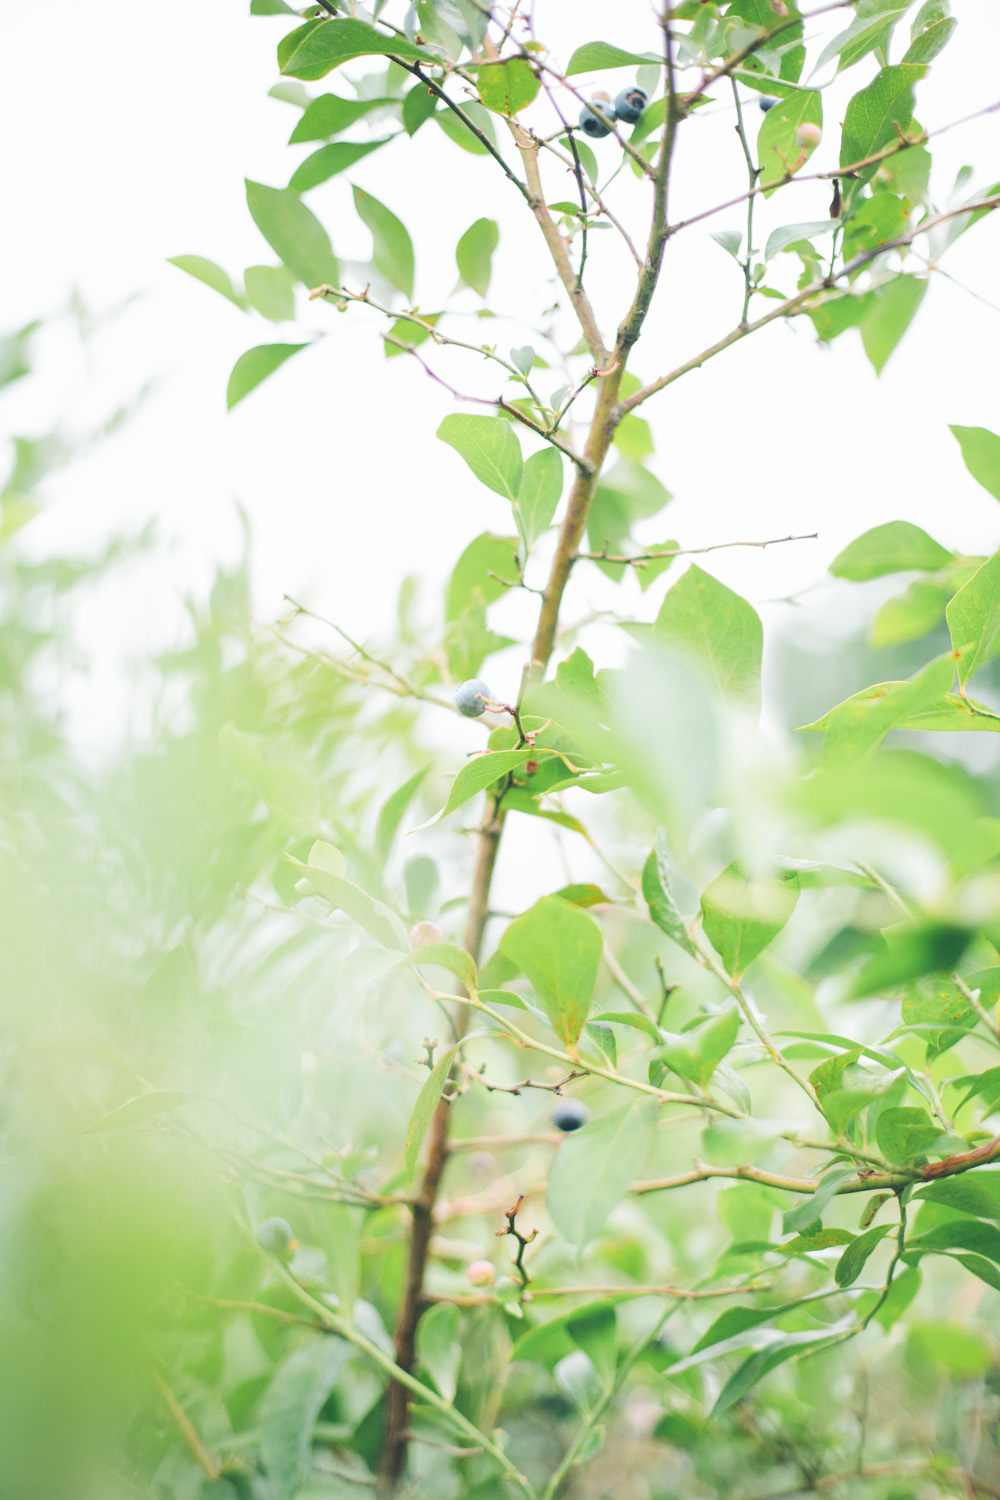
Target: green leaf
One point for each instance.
(447, 956)
(778, 151)
(539, 494)
(793, 234)
(598, 57)
(271, 292)
(324, 856)
(975, 1193)
(811, 1209)
(490, 449)
(656, 892)
(764, 1361)
(418, 106)
(960, 1234)
(474, 254)
(932, 948)
(423, 1110)
(721, 630)
(731, 1323)
(558, 946)
(695, 1054)
(875, 112)
(294, 234)
(904, 1133)
(393, 249)
(328, 161)
(961, 1350)
(895, 547)
(329, 115)
(458, 131)
(592, 1169)
(486, 560)
(866, 34)
(852, 1262)
(393, 810)
(892, 308)
(594, 1329)
(974, 619)
(479, 774)
(507, 87)
(316, 49)
(289, 1409)
(212, 275)
(856, 727)
(377, 920)
(931, 31)
(145, 1107)
(439, 1347)
(981, 455)
(742, 914)
(254, 366)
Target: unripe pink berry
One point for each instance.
(422, 934)
(481, 1272)
(809, 136)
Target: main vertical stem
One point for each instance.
(392, 1461)
(607, 415)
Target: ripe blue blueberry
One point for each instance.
(629, 105)
(275, 1236)
(766, 103)
(569, 1114)
(595, 121)
(469, 697)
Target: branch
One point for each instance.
(538, 1294)
(753, 173)
(903, 143)
(640, 559)
(794, 305)
(210, 1467)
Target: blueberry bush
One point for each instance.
(329, 1171)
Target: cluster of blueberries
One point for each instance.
(597, 118)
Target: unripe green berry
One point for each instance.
(275, 1236)
(469, 697)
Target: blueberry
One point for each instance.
(595, 121)
(275, 1236)
(469, 697)
(569, 1114)
(766, 102)
(629, 105)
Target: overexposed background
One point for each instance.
(129, 132)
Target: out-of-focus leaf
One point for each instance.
(294, 234)
(209, 273)
(981, 455)
(289, 1410)
(474, 254)
(330, 160)
(591, 1171)
(722, 631)
(974, 619)
(393, 248)
(742, 914)
(427, 1102)
(254, 366)
(895, 547)
(558, 946)
(490, 449)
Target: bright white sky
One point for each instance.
(130, 129)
